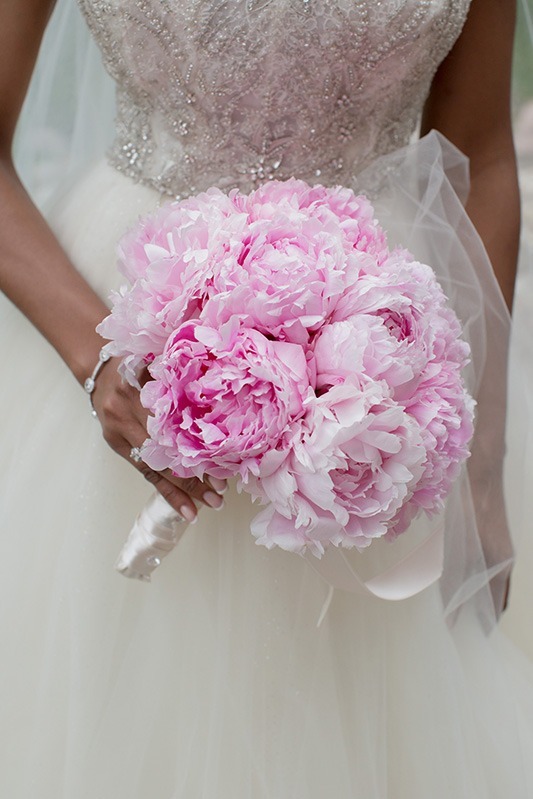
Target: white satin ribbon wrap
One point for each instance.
(158, 529)
(417, 570)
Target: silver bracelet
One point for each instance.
(90, 383)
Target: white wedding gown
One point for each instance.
(214, 680)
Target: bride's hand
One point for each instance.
(123, 421)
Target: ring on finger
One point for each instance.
(136, 454)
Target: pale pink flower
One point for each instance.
(303, 248)
(337, 204)
(355, 459)
(358, 348)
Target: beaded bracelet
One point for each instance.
(90, 383)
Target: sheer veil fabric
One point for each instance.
(214, 680)
(67, 120)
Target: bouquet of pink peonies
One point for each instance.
(290, 348)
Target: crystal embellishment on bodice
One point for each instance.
(235, 92)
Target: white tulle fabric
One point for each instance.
(67, 120)
(214, 680)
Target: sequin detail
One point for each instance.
(237, 92)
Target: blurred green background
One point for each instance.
(523, 57)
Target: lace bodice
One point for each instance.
(234, 92)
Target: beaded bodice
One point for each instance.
(234, 92)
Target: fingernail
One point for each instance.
(219, 485)
(214, 500)
(189, 514)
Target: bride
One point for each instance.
(215, 680)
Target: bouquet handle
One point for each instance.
(155, 533)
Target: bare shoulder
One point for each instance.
(22, 24)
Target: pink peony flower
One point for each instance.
(353, 213)
(357, 348)
(445, 413)
(303, 247)
(375, 455)
(221, 399)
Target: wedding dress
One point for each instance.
(214, 680)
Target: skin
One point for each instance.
(469, 103)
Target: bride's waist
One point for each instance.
(179, 160)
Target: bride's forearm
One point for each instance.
(494, 208)
(36, 274)
(34, 271)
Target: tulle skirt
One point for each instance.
(214, 681)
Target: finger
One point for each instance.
(174, 494)
(176, 498)
(123, 422)
(202, 491)
(220, 485)
(191, 486)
